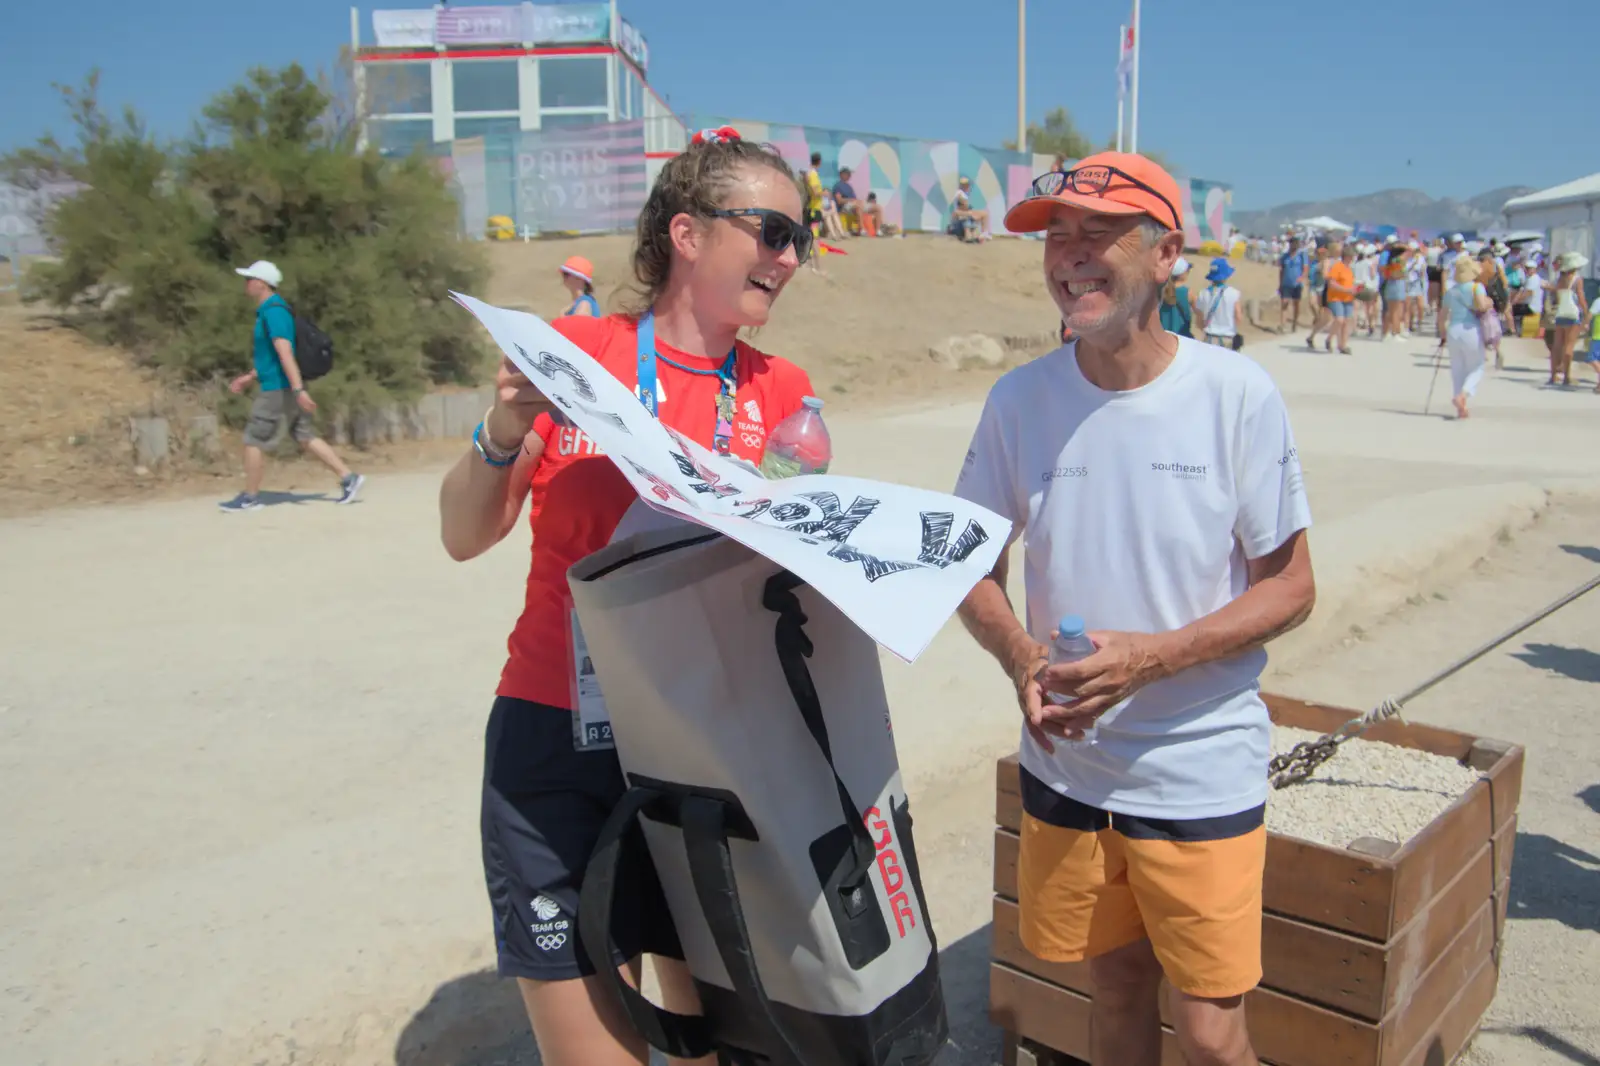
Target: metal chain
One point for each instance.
(1300, 762)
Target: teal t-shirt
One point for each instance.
(273, 320)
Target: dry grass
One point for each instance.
(862, 330)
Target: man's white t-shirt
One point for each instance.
(1222, 321)
(1138, 510)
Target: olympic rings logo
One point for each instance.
(550, 941)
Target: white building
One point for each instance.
(1568, 215)
(436, 74)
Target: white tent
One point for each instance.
(1322, 222)
(1567, 213)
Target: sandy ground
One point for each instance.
(862, 330)
(239, 755)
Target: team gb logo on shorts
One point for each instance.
(550, 931)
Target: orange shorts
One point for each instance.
(1090, 882)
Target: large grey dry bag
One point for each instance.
(752, 725)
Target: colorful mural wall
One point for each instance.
(916, 179)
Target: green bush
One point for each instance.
(145, 250)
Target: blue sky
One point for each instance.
(1279, 98)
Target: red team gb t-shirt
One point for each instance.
(577, 496)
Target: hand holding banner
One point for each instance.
(896, 560)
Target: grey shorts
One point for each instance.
(271, 413)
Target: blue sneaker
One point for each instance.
(349, 487)
(242, 502)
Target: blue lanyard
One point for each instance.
(726, 376)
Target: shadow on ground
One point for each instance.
(1582, 551)
(1580, 664)
(274, 499)
(1547, 1040)
(1552, 879)
(478, 1020)
(1591, 796)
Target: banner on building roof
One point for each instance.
(403, 29)
(568, 23)
(633, 46)
(478, 25)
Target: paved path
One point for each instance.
(239, 755)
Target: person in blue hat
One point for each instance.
(1218, 307)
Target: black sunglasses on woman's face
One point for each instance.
(778, 230)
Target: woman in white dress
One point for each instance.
(1459, 308)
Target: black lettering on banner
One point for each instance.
(792, 511)
(658, 486)
(552, 365)
(703, 479)
(936, 547)
(872, 567)
(594, 412)
(835, 524)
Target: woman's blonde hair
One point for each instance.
(1466, 268)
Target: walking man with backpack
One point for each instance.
(283, 402)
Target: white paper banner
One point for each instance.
(896, 560)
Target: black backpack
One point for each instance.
(313, 349)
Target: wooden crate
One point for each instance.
(1375, 955)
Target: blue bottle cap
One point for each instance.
(1070, 626)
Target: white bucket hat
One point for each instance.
(262, 270)
(1574, 261)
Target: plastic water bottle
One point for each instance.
(799, 444)
(1071, 644)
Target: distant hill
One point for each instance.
(1405, 208)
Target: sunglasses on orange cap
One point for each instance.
(1096, 181)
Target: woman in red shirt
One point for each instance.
(718, 239)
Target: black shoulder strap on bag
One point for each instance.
(705, 836)
(794, 647)
(685, 1036)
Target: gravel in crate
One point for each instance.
(1369, 789)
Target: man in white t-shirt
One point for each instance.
(1155, 484)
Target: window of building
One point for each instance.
(487, 127)
(575, 81)
(397, 137)
(624, 76)
(569, 119)
(485, 84)
(399, 88)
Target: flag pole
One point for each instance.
(1122, 42)
(1022, 67)
(1138, 42)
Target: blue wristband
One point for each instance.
(477, 443)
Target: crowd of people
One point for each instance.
(1474, 293)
